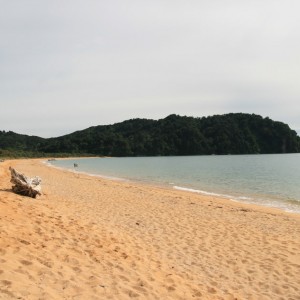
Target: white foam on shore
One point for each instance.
(200, 192)
(267, 203)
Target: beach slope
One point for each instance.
(92, 238)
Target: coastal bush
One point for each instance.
(235, 133)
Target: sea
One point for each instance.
(269, 180)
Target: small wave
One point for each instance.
(289, 206)
(243, 198)
(105, 176)
(200, 192)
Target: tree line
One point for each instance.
(234, 133)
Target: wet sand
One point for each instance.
(92, 238)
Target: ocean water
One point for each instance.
(269, 180)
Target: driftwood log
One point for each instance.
(25, 186)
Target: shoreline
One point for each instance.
(94, 238)
(242, 198)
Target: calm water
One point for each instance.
(271, 180)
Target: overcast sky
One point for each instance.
(69, 65)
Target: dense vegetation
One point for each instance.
(175, 135)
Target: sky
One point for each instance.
(68, 65)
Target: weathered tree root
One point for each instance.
(30, 187)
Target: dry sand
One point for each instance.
(92, 238)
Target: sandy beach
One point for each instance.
(93, 238)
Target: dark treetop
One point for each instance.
(234, 133)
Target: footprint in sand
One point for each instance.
(24, 242)
(123, 278)
(25, 262)
(197, 294)
(6, 282)
(211, 290)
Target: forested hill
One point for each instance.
(175, 135)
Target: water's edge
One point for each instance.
(289, 205)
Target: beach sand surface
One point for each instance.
(93, 238)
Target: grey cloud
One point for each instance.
(83, 63)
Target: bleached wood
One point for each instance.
(23, 185)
